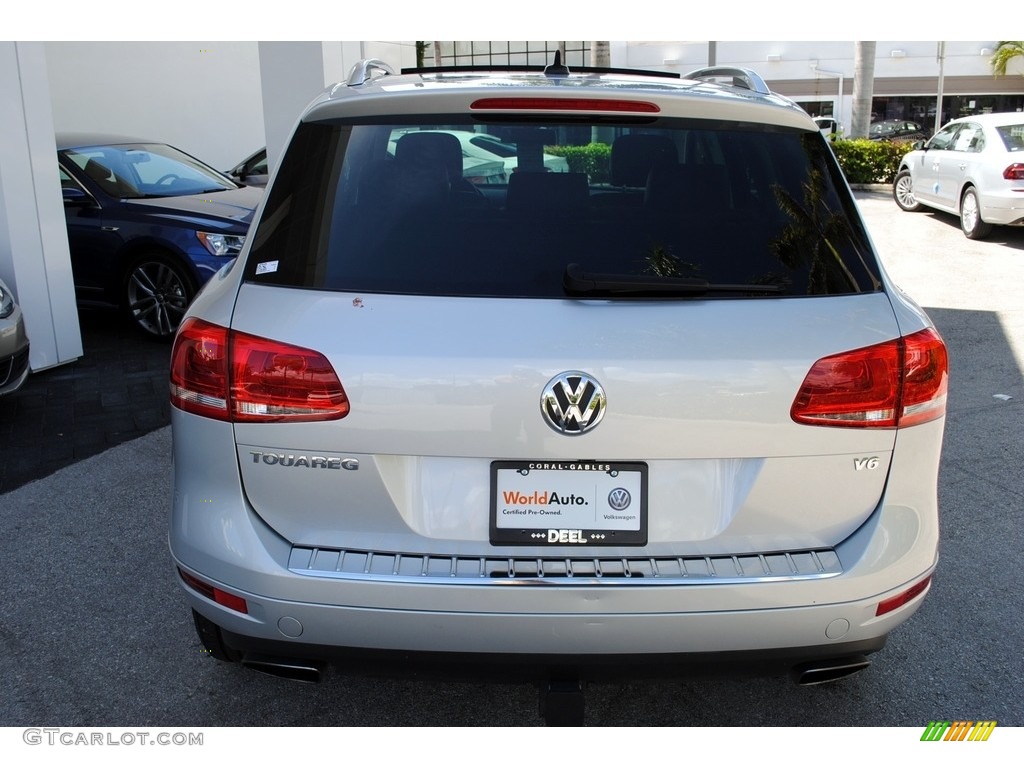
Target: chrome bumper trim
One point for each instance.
(489, 570)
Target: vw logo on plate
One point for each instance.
(573, 403)
(619, 499)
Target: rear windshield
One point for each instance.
(546, 210)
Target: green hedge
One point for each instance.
(863, 161)
(870, 162)
(594, 159)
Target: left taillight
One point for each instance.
(232, 376)
(898, 383)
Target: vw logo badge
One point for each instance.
(573, 403)
(619, 499)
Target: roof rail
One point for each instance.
(741, 78)
(363, 71)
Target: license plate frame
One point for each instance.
(596, 503)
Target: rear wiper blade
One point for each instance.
(576, 281)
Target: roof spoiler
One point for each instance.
(555, 69)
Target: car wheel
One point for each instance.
(158, 290)
(903, 192)
(970, 216)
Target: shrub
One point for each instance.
(594, 159)
(862, 161)
(870, 162)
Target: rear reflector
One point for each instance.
(232, 376)
(890, 605)
(219, 596)
(520, 104)
(898, 383)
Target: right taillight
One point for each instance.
(1014, 172)
(897, 383)
(232, 376)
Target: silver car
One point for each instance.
(974, 168)
(14, 345)
(665, 408)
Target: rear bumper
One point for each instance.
(216, 538)
(313, 630)
(1004, 209)
(806, 665)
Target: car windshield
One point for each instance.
(146, 170)
(702, 206)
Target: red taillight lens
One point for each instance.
(1014, 172)
(271, 381)
(233, 376)
(521, 104)
(894, 384)
(199, 369)
(219, 596)
(925, 378)
(887, 606)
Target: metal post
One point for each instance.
(940, 56)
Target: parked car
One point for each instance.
(974, 168)
(148, 225)
(830, 127)
(487, 147)
(900, 130)
(14, 344)
(565, 425)
(252, 171)
(479, 166)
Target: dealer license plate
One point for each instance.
(569, 503)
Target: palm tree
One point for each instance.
(863, 88)
(1006, 51)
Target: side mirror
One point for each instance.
(74, 196)
(919, 144)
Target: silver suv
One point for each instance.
(665, 407)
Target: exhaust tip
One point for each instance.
(829, 670)
(300, 670)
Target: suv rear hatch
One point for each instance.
(713, 280)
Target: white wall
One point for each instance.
(203, 97)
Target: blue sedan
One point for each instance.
(148, 225)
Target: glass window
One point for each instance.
(943, 139)
(1012, 136)
(970, 138)
(390, 208)
(146, 170)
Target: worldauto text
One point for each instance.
(542, 498)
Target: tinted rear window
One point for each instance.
(423, 208)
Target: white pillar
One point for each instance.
(34, 257)
(292, 74)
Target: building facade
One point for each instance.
(910, 78)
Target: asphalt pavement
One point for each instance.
(94, 631)
(114, 393)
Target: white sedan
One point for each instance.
(974, 168)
